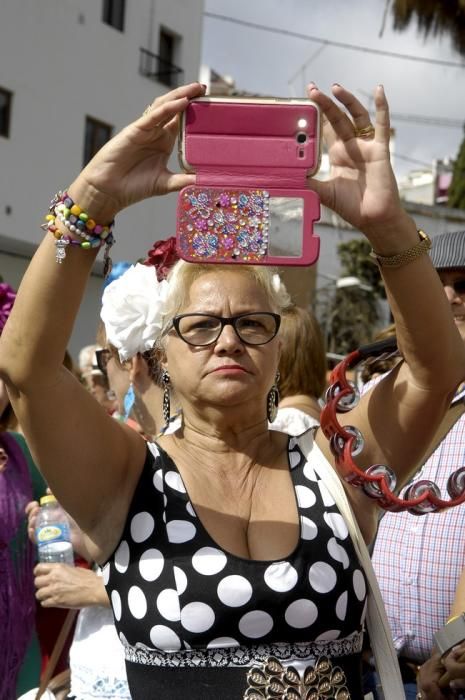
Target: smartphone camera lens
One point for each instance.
(301, 137)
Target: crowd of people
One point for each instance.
(215, 557)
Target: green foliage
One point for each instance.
(433, 16)
(349, 315)
(456, 196)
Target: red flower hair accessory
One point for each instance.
(162, 256)
(7, 299)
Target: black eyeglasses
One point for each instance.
(102, 357)
(458, 286)
(205, 329)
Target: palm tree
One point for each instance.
(433, 16)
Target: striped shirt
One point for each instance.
(419, 559)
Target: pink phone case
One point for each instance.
(241, 153)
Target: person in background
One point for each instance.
(20, 480)
(94, 379)
(302, 367)
(419, 561)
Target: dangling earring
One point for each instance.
(165, 377)
(128, 401)
(272, 400)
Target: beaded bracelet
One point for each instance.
(93, 235)
(378, 481)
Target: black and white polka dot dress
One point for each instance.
(194, 619)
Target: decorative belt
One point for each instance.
(273, 680)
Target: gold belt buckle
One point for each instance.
(273, 681)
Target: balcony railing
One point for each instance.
(157, 68)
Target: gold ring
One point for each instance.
(366, 132)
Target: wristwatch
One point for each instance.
(406, 256)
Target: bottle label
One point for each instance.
(52, 533)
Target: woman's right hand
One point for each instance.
(132, 166)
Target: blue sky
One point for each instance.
(266, 63)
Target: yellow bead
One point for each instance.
(75, 210)
(57, 235)
(91, 224)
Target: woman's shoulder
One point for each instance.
(293, 421)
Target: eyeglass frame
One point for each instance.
(226, 321)
(102, 365)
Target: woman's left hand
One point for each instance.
(362, 188)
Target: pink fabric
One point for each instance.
(17, 602)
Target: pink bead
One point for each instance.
(98, 229)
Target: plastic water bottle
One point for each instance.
(53, 533)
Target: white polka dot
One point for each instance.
(209, 561)
(341, 606)
(338, 552)
(255, 624)
(308, 529)
(164, 638)
(165, 500)
(168, 605)
(328, 636)
(187, 646)
(123, 639)
(181, 579)
(327, 499)
(137, 602)
(305, 497)
(190, 509)
(280, 576)
(142, 526)
(158, 480)
(153, 449)
(292, 443)
(197, 617)
(122, 557)
(180, 531)
(151, 564)
(106, 573)
(359, 584)
(116, 604)
(174, 480)
(322, 577)
(222, 643)
(294, 458)
(301, 613)
(310, 473)
(234, 591)
(337, 524)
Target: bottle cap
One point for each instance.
(47, 499)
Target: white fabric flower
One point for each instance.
(133, 309)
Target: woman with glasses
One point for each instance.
(225, 558)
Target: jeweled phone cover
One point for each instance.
(240, 146)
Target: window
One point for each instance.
(113, 13)
(6, 98)
(166, 54)
(96, 135)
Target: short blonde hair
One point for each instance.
(302, 366)
(184, 274)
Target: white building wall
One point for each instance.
(63, 63)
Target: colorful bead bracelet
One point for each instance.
(93, 235)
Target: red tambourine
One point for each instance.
(378, 481)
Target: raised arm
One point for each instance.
(89, 460)
(399, 417)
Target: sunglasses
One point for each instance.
(457, 285)
(102, 357)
